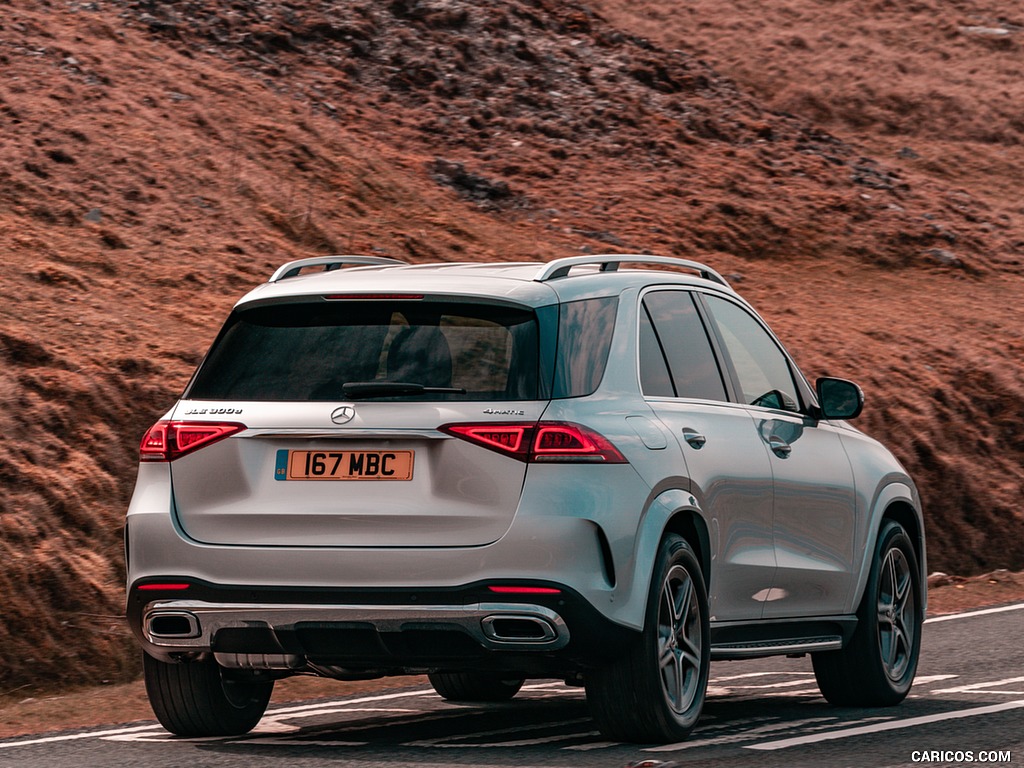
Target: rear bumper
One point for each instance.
(343, 633)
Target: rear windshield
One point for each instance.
(310, 351)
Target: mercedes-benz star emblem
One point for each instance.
(343, 415)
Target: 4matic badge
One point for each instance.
(504, 412)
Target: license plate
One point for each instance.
(344, 465)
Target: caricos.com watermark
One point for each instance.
(960, 756)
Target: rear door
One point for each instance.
(726, 459)
(342, 400)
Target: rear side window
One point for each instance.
(308, 351)
(584, 338)
(678, 334)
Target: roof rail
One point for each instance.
(609, 262)
(292, 268)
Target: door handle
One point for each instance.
(780, 446)
(694, 438)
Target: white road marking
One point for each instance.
(750, 691)
(769, 686)
(75, 736)
(748, 675)
(526, 742)
(288, 742)
(159, 737)
(747, 735)
(979, 687)
(925, 679)
(349, 702)
(890, 725)
(273, 723)
(972, 614)
(545, 686)
(446, 741)
(594, 745)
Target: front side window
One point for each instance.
(761, 367)
(678, 333)
(309, 351)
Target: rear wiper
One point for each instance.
(354, 390)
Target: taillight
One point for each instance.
(545, 441)
(169, 440)
(571, 442)
(513, 439)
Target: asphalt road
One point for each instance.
(966, 708)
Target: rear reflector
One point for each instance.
(545, 441)
(169, 440)
(517, 590)
(162, 587)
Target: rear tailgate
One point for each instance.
(388, 478)
(341, 398)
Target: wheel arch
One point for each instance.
(904, 513)
(671, 511)
(689, 524)
(897, 501)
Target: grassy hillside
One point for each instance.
(160, 159)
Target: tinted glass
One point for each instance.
(655, 380)
(762, 369)
(680, 330)
(584, 338)
(307, 351)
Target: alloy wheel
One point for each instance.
(896, 612)
(679, 640)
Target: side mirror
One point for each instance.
(839, 399)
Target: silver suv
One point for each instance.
(604, 469)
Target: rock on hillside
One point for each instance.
(158, 159)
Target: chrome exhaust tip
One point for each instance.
(512, 628)
(172, 625)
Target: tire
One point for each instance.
(196, 698)
(877, 667)
(655, 693)
(475, 686)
